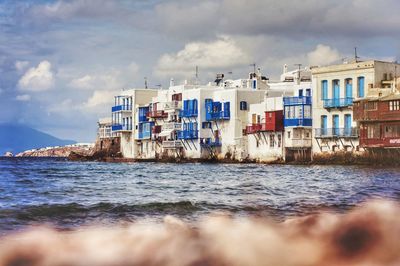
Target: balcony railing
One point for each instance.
(144, 135)
(188, 113)
(171, 126)
(188, 134)
(173, 105)
(118, 108)
(299, 143)
(300, 100)
(119, 127)
(297, 122)
(352, 132)
(253, 128)
(208, 142)
(157, 114)
(221, 115)
(172, 144)
(338, 103)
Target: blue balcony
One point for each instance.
(120, 127)
(188, 113)
(338, 103)
(207, 142)
(297, 122)
(351, 132)
(219, 115)
(144, 130)
(300, 100)
(188, 134)
(121, 107)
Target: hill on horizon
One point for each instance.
(18, 138)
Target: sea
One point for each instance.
(67, 195)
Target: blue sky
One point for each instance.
(61, 62)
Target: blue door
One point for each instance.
(301, 93)
(360, 87)
(308, 92)
(324, 92)
(324, 125)
(349, 88)
(336, 92)
(347, 124)
(335, 121)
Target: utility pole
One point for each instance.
(197, 75)
(355, 54)
(145, 83)
(254, 67)
(298, 72)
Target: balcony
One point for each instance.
(171, 126)
(119, 108)
(338, 103)
(208, 142)
(297, 122)
(299, 143)
(120, 127)
(157, 114)
(188, 113)
(172, 144)
(253, 128)
(172, 106)
(300, 100)
(352, 132)
(188, 134)
(220, 115)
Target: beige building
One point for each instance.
(335, 88)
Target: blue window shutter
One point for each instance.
(361, 87)
(324, 92)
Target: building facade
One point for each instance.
(334, 90)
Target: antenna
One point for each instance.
(298, 72)
(145, 83)
(254, 67)
(356, 57)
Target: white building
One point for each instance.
(334, 89)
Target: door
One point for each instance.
(335, 124)
(324, 93)
(349, 88)
(336, 92)
(361, 87)
(324, 125)
(347, 124)
(301, 93)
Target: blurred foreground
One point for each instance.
(367, 235)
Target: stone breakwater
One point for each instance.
(54, 152)
(367, 235)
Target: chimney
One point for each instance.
(171, 82)
(285, 69)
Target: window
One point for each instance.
(394, 105)
(349, 88)
(243, 105)
(324, 90)
(308, 92)
(279, 140)
(392, 131)
(288, 134)
(206, 125)
(371, 105)
(271, 140)
(373, 132)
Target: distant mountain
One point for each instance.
(17, 138)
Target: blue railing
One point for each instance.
(118, 108)
(297, 122)
(188, 134)
(188, 113)
(337, 103)
(207, 142)
(120, 127)
(297, 100)
(351, 132)
(220, 115)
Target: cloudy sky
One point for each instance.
(61, 62)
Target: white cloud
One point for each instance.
(21, 65)
(23, 98)
(38, 78)
(220, 54)
(323, 55)
(100, 100)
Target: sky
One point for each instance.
(62, 61)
